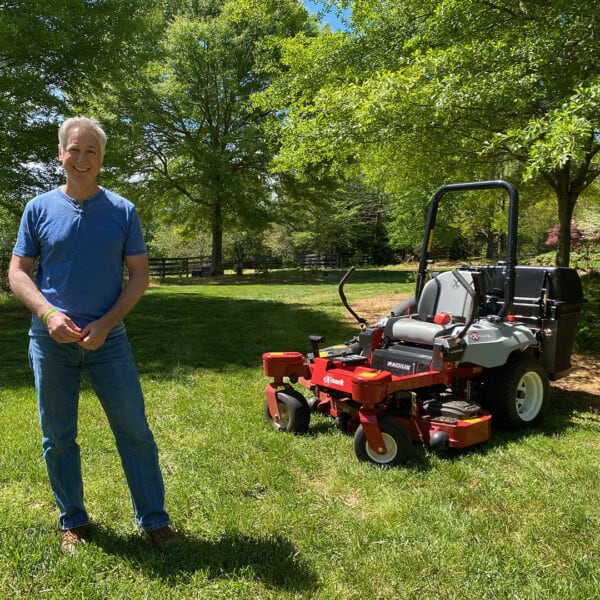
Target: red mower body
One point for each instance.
(363, 394)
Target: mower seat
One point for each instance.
(441, 294)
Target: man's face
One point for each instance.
(82, 157)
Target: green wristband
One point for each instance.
(47, 314)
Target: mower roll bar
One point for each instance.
(511, 260)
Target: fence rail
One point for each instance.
(200, 266)
(320, 261)
(184, 267)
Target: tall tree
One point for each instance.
(423, 87)
(198, 150)
(51, 51)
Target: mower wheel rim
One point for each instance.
(284, 416)
(391, 452)
(530, 396)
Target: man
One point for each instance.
(81, 234)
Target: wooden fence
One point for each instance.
(201, 266)
(183, 267)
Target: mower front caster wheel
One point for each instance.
(397, 442)
(294, 413)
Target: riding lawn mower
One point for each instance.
(473, 346)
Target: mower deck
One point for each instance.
(342, 383)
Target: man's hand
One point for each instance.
(93, 336)
(62, 329)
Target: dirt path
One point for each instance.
(581, 387)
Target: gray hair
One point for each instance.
(84, 122)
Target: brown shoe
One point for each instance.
(163, 537)
(71, 538)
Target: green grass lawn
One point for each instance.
(270, 515)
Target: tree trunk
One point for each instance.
(500, 244)
(217, 238)
(567, 199)
(489, 242)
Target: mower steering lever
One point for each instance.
(362, 322)
(315, 340)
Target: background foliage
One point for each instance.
(249, 125)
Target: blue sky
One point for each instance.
(314, 6)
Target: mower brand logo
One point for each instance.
(333, 381)
(397, 365)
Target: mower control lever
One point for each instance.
(315, 340)
(362, 322)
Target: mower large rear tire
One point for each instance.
(397, 442)
(294, 413)
(517, 393)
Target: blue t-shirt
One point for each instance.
(81, 251)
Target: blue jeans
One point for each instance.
(114, 377)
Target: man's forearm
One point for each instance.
(25, 289)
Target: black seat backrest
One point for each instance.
(445, 293)
(428, 300)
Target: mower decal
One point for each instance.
(430, 241)
(475, 336)
(329, 380)
(399, 365)
(369, 374)
(472, 421)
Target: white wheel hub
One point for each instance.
(391, 450)
(530, 396)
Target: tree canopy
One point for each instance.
(49, 53)
(225, 116)
(433, 90)
(200, 152)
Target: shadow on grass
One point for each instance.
(171, 332)
(272, 560)
(564, 407)
(300, 277)
(174, 332)
(14, 342)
